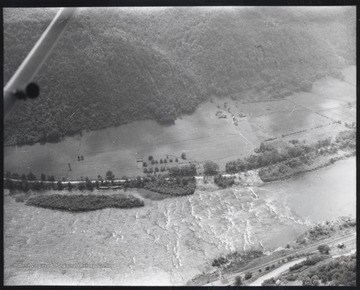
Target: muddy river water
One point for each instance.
(168, 241)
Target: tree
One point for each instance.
(15, 176)
(53, 136)
(60, 185)
(183, 156)
(23, 177)
(88, 184)
(161, 161)
(36, 186)
(156, 169)
(25, 186)
(51, 178)
(81, 186)
(150, 157)
(144, 164)
(323, 249)
(219, 262)
(8, 184)
(31, 176)
(238, 281)
(43, 177)
(210, 168)
(109, 175)
(248, 275)
(176, 160)
(307, 281)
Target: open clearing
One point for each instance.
(220, 130)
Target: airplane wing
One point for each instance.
(20, 86)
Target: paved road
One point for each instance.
(229, 279)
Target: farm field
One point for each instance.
(327, 101)
(258, 109)
(316, 134)
(274, 125)
(346, 114)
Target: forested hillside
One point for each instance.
(117, 65)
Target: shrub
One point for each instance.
(224, 182)
(323, 249)
(20, 198)
(269, 282)
(177, 187)
(210, 168)
(238, 281)
(248, 275)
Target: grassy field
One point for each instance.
(201, 136)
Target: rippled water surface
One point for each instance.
(171, 240)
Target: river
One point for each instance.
(168, 241)
(321, 195)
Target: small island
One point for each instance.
(81, 203)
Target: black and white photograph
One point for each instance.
(179, 146)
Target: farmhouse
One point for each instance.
(139, 162)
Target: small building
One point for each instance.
(139, 163)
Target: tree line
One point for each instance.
(278, 165)
(176, 185)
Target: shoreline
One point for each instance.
(304, 171)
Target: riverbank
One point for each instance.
(276, 261)
(318, 163)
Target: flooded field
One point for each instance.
(202, 136)
(168, 241)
